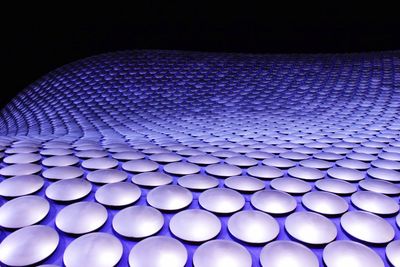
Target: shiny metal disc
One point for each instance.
(386, 164)
(221, 253)
(106, 176)
(384, 174)
(367, 227)
(21, 185)
(20, 169)
(316, 163)
(68, 190)
(166, 157)
(305, 173)
(342, 253)
(244, 183)
(152, 179)
(28, 245)
(374, 202)
(280, 163)
(352, 164)
(60, 161)
(203, 159)
(335, 186)
(181, 168)
(158, 251)
(195, 225)
(128, 155)
(311, 228)
(61, 173)
(325, 203)
(22, 158)
(253, 226)
(23, 211)
(290, 185)
(91, 153)
(91, 216)
(284, 253)
(221, 200)
(169, 197)
(198, 181)
(223, 170)
(380, 186)
(100, 163)
(94, 249)
(140, 165)
(273, 202)
(118, 194)
(138, 221)
(398, 220)
(264, 172)
(241, 161)
(345, 174)
(392, 253)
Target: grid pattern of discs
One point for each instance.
(155, 158)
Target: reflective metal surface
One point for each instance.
(157, 251)
(273, 201)
(290, 185)
(94, 249)
(223, 170)
(20, 185)
(195, 225)
(221, 200)
(367, 227)
(264, 172)
(392, 253)
(28, 245)
(336, 186)
(287, 253)
(118, 194)
(152, 179)
(244, 183)
(374, 202)
(181, 168)
(138, 221)
(61, 173)
(20, 169)
(68, 190)
(106, 176)
(198, 181)
(325, 203)
(169, 197)
(221, 253)
(349, 253)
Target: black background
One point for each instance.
(39, 39)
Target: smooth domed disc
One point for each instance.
(221, 253)
(140, 165)
(22, 158)
(311, 228)
(106, 176)
(386, 164)
(152, 179)
(325, 203)
(138, 221)
(223, 170)
(241, 161)
(349, 253)
(316, 164)
(198, 181)
(221, 200)
(203, 159)
(195, 225)
(23, 211)
(61, 173)
(68, 190)
(375, 202)
(56, 152)
(290, 185)
(352, 164)
(244, 183)
(285, 253)
(94, 249)
(328, 156)
(100, 163)
(169, 197)
(20, 169)
(361, 156)
(297, 156)
(165, 157)
(384, 174)
(28, 245)
(398, 220)
(181, 168)
(367, 227)
(380, 186)
(91, 216)
(345, 174)
(335, 186)
(21, 185)
(253, 226)
(128, 155)
(92, 153)
(305, 173)
(273, 201)
(259, 155)
(279, 163)
(158, 251)
(118, 194)
(392, 253)
(60, 161)
(264, 172)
